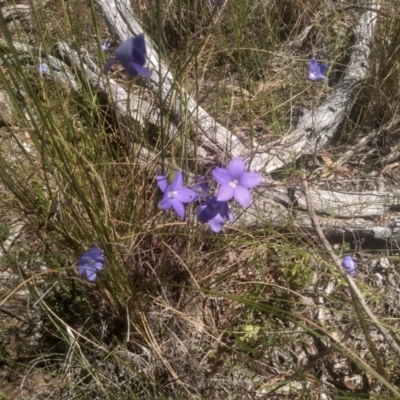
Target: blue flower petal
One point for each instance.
(225, 192)
(124, 50)
(162, 182)
(178, 207)
(177, 182)
(139, 50)
(132, 55)
(98, 266)
(91, 274)
(316, 71)
(323, 68)
(221, 175)
(43, 69)
(201, 187)
(242, 196)
(250, 180)
(214, 213)
(129, 68)
(236, 168)
(349, 264)
(105, 46)
(216, 223)
(90, 262)
(165, 203)
(185, 195)
(205, 213)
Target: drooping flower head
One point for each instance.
(174, 194)
(235, 182)
(215, 213)
(132, 56)
(316, 71)
(349, 264)
(43, 69)
(90, 262)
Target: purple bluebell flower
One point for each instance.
(316, 71)
(215, 213)
(174, 194)
(105, 46)
(43, 69)
(235, 182)
(90, 262)
(349, 264)
(132, 56)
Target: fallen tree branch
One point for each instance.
(313, 131)
(284, 206)
(342, 204)
(390, 340)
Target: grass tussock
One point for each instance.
(179, 312)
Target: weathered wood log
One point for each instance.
(342, 204)
(343, 216)
(313, 131)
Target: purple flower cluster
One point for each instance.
(234, 182)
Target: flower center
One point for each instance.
(172, 194)
(234, 183)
